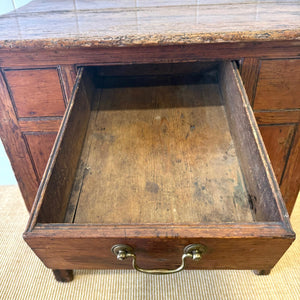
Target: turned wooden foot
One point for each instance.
(63, 275)
(262, 272)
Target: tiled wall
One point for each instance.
(9, 5)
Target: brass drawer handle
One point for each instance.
(194, 251)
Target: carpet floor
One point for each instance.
(23, 276)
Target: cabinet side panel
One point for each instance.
(278, 140)
(273, 86)
(34, 90)
(290, 182)
(280, 131)
(278, 85)
(15, 146)
(40, 146)
(32, 106)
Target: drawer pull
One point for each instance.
(194, 251)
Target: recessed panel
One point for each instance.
(40, 146)
(279, 82)
(36, 93)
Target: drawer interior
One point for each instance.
(158, 154)
(157, 144)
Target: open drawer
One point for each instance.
(159, 157)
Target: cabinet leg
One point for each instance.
(63, 275)
(262, 272)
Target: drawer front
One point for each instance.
(278, 85)
(63, 241)
(227, 246)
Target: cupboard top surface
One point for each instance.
(82, 23)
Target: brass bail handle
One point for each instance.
(193, 251)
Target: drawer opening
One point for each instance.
(159, 144)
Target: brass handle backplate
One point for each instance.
(193, 251)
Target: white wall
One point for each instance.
(7, 176)
(9, 5)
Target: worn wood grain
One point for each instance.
(277, 117)
(35, 90)
(37, 99)
(279, 82)
(97, 23)
(160, 154)
(249, 73)
(156, 246)
(58, 187)
(15, 146)
(67, 75)
(250, 149)
(280, 146)
(147, 54)
(290, 182)
(40, 146)
(73, 245)
(278, 140)
(40, 124)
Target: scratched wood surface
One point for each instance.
(159, 154)
(91, 23)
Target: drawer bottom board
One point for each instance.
(161, 154)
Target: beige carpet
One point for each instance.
(23, 276)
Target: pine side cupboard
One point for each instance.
(152, 134)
